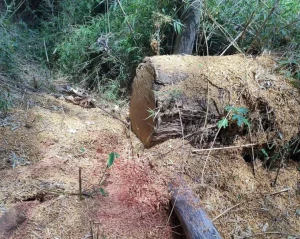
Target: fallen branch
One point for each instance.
(282, 191)
(115, 117)
(223, 148)
(227, 210)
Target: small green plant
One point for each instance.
(111, 158)
(223, 123)
(152, 113)
(265, 153)
(236, 114)
(174, 95)
(5, 101)
(291, 68)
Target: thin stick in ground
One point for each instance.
(80, 186)
(252, 151)
(278, 170)
(91, 230)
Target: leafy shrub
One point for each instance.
(99, 43)
(260, 24)
(5, 101)
(129, 32)
(18, 43)
(237, 114)
(103, 50)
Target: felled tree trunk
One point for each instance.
(192, 216)
(190, 17)
(185, 96)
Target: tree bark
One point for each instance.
(190, 18)
(193, 218)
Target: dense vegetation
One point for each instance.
(98, 43)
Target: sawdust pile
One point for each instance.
(240, 204)
(44, 141)
(185, 97)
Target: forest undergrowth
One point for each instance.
(98, 44)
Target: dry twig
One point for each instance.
(224, 148)
(237, 205)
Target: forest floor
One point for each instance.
(44, 142)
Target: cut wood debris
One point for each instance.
(76, 96)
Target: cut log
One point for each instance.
(169, 92)
(193, 218)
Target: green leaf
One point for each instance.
(223, 123)
(265, 152)
(239, 110)
(82, 150)
(103, 193)
(111, 158)
(177, 26)
(240, 120)
(151, 113)
(242, 110)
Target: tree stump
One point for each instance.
(185, 96)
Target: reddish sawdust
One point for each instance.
(57, 138)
